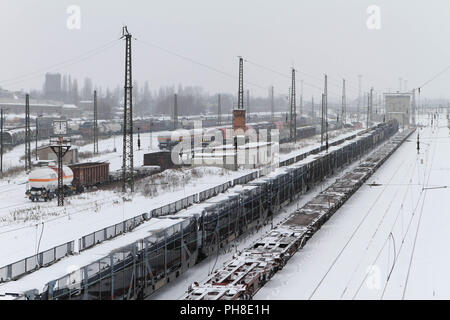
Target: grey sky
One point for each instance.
(316, 36)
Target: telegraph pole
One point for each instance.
(272, 105)
(322, 124)
(175, 111)
(301, 99)
(95, 124)
(326, 112)
(127, 154)
(368, 108)
(344, 103)
(359, 97)
(248, 105)
(219, 110)
(27, 134)
(1, 141)
(371, 105)
(293, 111)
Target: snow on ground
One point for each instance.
(92, 211)
(23, 223)
(352, 255)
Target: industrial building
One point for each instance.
(398, 106)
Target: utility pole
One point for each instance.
(139, 139)
(95, 124)
(344, 104)
(248, 105)
(219, 111)
(322, 120)
(1, 141)
(37, 135)
(326, 112)
(272, 105)
(175, 111)
(368, 108)
(27, 134)
(371, 105)
(127, 154)
(414, 107)
(301, 99)
(359, 97)
(293, 111)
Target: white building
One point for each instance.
(398, 106)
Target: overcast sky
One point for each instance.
(316, 36)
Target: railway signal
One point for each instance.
(60, 146)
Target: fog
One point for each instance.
(205, 37)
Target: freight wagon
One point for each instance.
(89, 174)
(151, 263)
(43, 180)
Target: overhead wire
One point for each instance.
(60, 65)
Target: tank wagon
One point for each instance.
(214, 223)
(43, 181)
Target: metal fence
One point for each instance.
(17, 269)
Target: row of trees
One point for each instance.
(191, 99)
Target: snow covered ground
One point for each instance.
(388, 241)
(34, 227)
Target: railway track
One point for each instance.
(241, 277)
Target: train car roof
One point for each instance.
(39, 278)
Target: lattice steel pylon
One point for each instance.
(241, 84)
(27, 134)
(127, 155)
(95, 124)
(293, 111)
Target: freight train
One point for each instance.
(139, 269)
(43, 180)
(167, 141)
(242, 276)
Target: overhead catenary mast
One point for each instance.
(359, 98)
(272, 105)
(95, 123)
(175, 111)
(127, 154)
(326, 112)
(293, 111)
(248, 105)
(219, 110)
(27, 134)
(344, 103)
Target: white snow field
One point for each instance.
(389, 241)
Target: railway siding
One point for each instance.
(246, 273)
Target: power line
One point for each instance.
(60, 65)
(198, 63)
